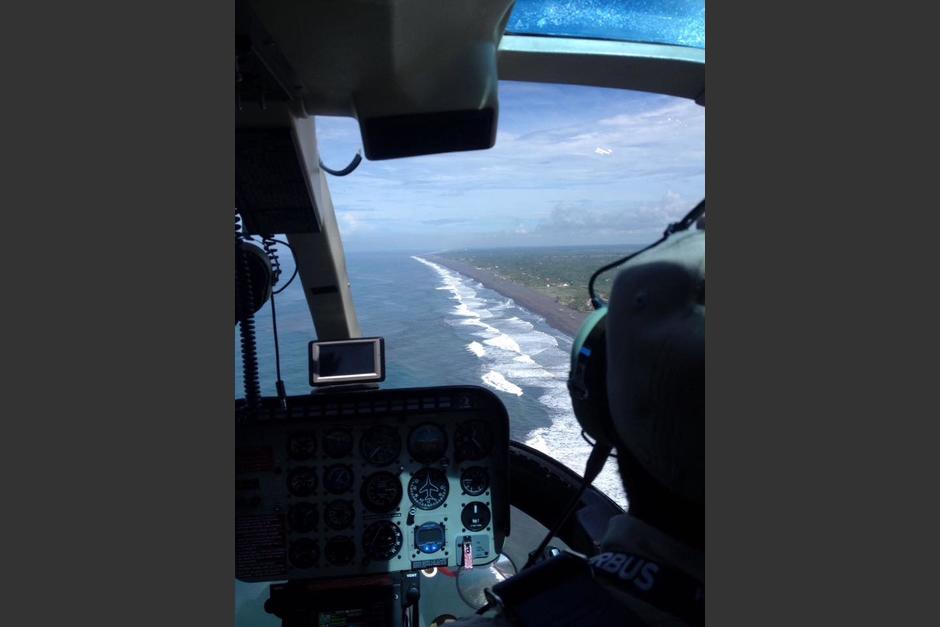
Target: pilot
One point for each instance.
(651, 562)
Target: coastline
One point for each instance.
(556, 315)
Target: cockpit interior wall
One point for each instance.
(389, 63)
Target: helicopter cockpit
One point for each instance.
(357, 503)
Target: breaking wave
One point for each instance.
(519, 359)
(476, 348)
(498, 381)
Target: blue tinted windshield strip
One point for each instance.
(673, 22)
(570, 45)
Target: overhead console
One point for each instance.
(420, 76)
(375, 481)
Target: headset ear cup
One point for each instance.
(255, 278)
(587, 380)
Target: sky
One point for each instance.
(571, 165)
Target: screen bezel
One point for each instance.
(377, 375)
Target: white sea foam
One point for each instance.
(504, 342)
(463, 310)
(562, 440)
(520, 325)
(517, 357)
(498, 381)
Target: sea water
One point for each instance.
(443, 328)
(440, 328)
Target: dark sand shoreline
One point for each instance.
(559, 317)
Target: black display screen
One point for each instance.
(430, 534)
(339, 360)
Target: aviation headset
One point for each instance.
(587, 379)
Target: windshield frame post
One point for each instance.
(320, 258)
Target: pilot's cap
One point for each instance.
(656, 362)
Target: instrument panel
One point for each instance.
(375, 481)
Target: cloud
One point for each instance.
(570, 164)
(353, 207)
(350, 223)
(442, 221)
(573, 219)
(665, 140)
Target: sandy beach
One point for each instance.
(566, 320)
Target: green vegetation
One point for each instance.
(561, 272)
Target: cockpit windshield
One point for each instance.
(473, 266)
(675, 22)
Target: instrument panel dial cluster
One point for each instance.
(368, 492)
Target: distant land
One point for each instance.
(550, 282)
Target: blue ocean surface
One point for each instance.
(442, 328)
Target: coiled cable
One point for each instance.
(271, 252)
(246, 324)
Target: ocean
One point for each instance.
(443, 328)
(440, 328)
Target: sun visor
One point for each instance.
(420, 76)
(429, 133)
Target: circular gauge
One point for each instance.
(301, 446)
(475, 516)
(302, 517)
(381, 492)
(302, 481)
(380, 445)
(337, 442)
(473, 440)
(430, 537)
(475, 480)
(340, 550)
(338, 514)
(427, 443)
(338, 478)
(382, 540)
(428, 488)
(303, 553)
